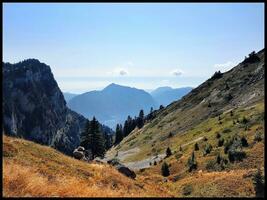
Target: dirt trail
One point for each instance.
(145, 163)
(200, 138)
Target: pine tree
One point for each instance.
(140, 119)
(92, 138)
(86, 136)
(196, 147)
(192, 163)
(118, 134)
(165, 169)
(98, 141)
(168, 152)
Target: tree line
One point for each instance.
(97, 140)
(131, 123)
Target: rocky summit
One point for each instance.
(34, 107)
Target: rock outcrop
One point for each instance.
(34, 107)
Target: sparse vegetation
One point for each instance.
(207, 149)
(258, 137)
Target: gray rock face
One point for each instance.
(34, 107)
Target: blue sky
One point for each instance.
(146, 46)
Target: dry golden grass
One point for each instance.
(32, 170)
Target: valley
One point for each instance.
(209, 143)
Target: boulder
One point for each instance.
(126, 171)
(78, 154)
(80, 148)
(122, 168)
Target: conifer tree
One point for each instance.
(92, 138)
(192, 163)
(98, 141)
(165, 169)
(196, 146)
(140, 119)
(118, 134)
(168, 152)
(86, 136)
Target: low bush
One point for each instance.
(187, 190)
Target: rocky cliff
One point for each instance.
(34, 107)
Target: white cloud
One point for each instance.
(120, 71)
(225, 66)
(177, 72)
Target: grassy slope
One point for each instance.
(30, 169)
(191, 118)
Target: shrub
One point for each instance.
(180, 148)
(168, 152)
(258, 182)
(220, 142)
(187, 190)
(236, 154)
(244, 120)
(210, 166)
(170, 135)
(244, 141)
(165, 169)
(227, 145)
(228, 97)
(207, 149)
(258, 137)
(253, 57)
(218, 135)
(192, 163)
(226, 130)
(196, 147)
(217, 75)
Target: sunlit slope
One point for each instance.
(196, 115)
(30, 169)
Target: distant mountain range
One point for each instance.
(113, 104)
(166, 95)
(68, 96)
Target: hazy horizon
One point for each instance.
(146, 46)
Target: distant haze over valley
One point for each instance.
(115, 103)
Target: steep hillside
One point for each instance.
(33, 170)
(225, 112)
(113, 104)
(166, 95)
(237, 89)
